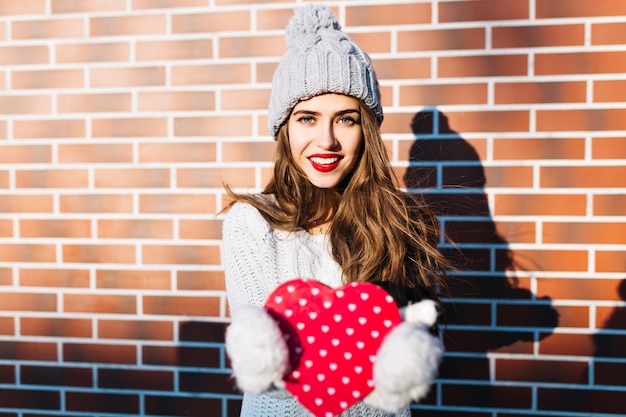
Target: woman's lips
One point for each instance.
(325, 163)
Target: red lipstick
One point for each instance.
(325, 162)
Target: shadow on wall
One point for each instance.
(488, 311)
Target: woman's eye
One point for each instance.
(306, 120)
(349, 121)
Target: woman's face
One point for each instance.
(325, 136)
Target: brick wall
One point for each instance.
(121, 119)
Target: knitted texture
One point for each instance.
(257, 258)
(320, 59)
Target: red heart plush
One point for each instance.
(333, 337)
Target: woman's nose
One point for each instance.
(326, 137)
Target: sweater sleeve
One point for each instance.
(247, 256)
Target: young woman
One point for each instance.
(331, 211)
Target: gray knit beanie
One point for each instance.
(320, 59)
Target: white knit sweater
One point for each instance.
(257, 258)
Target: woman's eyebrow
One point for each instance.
(313, 112)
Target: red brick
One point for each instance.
(99, 303)
(181, 356)
(60, 278)
(213, 126)
(212, 74)
(41, 29)
(132, 178)
(441, 39)
(248, 99)
(609, 91)
(149, 24)
(102, 402)
(248, 151)
(182, 405)
(211, 22)
(130, 127)
(216, 382)
(7, 376)
(18, 252)
(578, 8)
(580, 63)
(133, 279)
(135, 229)
(176, 101)
(24, 55)
(488, 395)
(609, 373)
(6, 228)
(482, 66)
(30, 399)
(250, 46)
(94, 103)
(461, 11)
(56, 376)
(273, 19)
(509, 176)
(40, 104)
(610, 261)
(29, 351)
(552, 371)
(7, 328)
(608, 33)
(540, 204)
(550, 260)
(182, 305)
(215, 177)
(69, 6)
(98, 253)
(20, 7)
(399, 14)
(578, 289)
(48, 78)
(159, 4)
(126, 77)
(55, 327)
(589, 401)
(25, 154)
(47, 129)
(92, 52)
(442, 94)
(135, 329)
(57, 178)
(55, 228)
(177, 203)
(609, 204)
(538, 36)
(501, 341)
(174, 50)
(200, 281)
(539, 315)
(373, 42)
(548, 148)
(567, 344)
(610, 317)
(402, 68)
(540, 92)
(583, 176)
(489, 121)
(177, 152)
(136, 379)
(96, 203)
(587, 233)
(200, 229)
(95, 153)
(181, 255)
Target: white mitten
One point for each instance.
(258, 353)
(407, 361)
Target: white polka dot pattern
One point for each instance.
(333, 336)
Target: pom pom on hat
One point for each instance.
(320, 59)
(310, 19)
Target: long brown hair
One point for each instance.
(378, 233)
